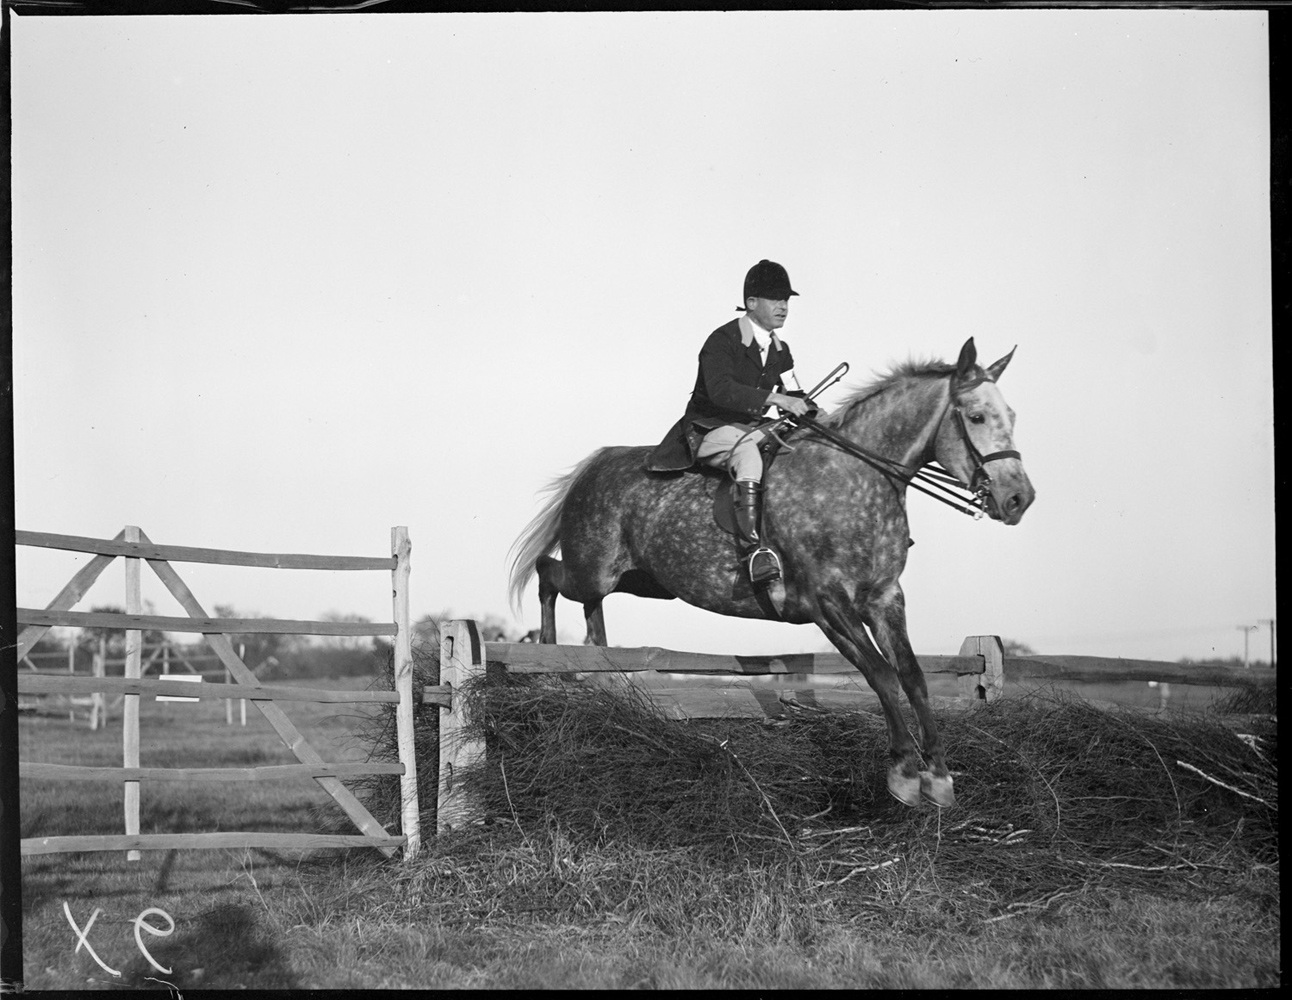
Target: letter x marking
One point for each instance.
(82, 939)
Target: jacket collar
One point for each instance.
(747, 333)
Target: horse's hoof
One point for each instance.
(937, 790)
(905, 790)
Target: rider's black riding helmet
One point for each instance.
(767, 280)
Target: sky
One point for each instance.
(282, 283)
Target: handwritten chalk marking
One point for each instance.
(142, 924)
(82, 938)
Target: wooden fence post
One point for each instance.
(410, 819)
(99, 700)
(461, 659)
(242, 702)
(990, 684)
(130, 704)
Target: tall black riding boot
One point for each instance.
(764, 563)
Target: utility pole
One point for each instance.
(1270, 623)
(1247, 631)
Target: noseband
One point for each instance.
(980, 479)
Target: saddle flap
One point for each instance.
(724, 506)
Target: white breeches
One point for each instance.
(730, 447)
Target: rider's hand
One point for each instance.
(791, 404)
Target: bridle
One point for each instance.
(980, 479)
(971, 501)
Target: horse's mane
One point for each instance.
(913, 369)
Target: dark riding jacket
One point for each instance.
(731, 387)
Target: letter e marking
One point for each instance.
(142, 924)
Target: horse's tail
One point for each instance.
(542, 534)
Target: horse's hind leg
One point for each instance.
(553, 580)
(551, 574)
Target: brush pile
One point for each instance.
(1054, 796)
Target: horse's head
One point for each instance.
(975, 441)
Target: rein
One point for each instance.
(935, 476)
(971, 500)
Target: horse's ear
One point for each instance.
(965, 363)
(994, 370)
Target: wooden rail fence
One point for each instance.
(97, 708)
(981, 670)
(135, 548)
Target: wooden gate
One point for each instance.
(135, 548)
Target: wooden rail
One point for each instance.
(533, 658)
(137, 549)
(52, 683)
(208, 841)
(112, 619)
(272, 772)
(1102, 668)
(183, 553)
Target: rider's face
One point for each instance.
(768, 313)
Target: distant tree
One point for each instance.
(326, 661)
(1015, 648)
(49, 643)
(493, 628)
(114, 636)
(359, 642)
(426, 633)
(258, 647)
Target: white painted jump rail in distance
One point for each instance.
(132, 545)
(981, 669)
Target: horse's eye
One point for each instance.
(976, 418)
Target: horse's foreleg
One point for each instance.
(550, 575)
(596, 619)
(844, 627)
(889, 618)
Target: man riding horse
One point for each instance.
(743, 365)
(838, 513)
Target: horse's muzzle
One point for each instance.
(1008, 496)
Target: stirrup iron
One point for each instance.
(764, 565)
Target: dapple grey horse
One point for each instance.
(839, 524)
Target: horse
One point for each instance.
(839, 524)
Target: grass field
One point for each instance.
(885, 897)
